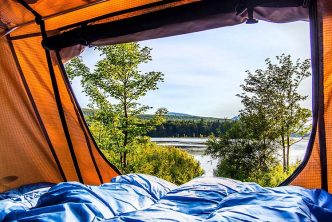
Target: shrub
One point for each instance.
(244, 156)
(169, 163)
(273, 177)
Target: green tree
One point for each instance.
(272, 103)
(170, 163)
(271, 115)
(114, 88)
(240, 155)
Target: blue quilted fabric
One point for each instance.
(137, 197)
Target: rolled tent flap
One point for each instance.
(282, 15)
(277, 15)
(169, 21)
(70, 52)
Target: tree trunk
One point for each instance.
(125, 142)
(99, 132)
(283, 153)
(287, 155)
(121, 159)
(125, 159)
(125, 132)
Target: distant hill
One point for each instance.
(177, 114)
(173, 116)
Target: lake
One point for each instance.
(196, 147)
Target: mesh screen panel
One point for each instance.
(311, 176)
(98, 161)
(326, 7)
(82, 143)
(25, 156)
(32, 59)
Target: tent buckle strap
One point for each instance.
(251, 19)
(246, 6)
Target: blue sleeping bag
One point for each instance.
(137, 197)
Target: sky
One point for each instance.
(204, 70)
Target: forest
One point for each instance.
(191, 128)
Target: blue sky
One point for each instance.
(204, 70)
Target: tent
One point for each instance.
(43, 134)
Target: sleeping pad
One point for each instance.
(138, 197)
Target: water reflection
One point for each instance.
(196, 147)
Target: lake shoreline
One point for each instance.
(196, 146)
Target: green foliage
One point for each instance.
(114, 88)
(271, 114)
(240, 156)
(272, 109)
(272, 177)
(243, 158)
(170, 163)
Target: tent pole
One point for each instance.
(79, 110)
(41, 23)
(321, 108)
(79, 115)
(59, 105)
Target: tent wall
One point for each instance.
(326, 102)
(20, 131)
(327, 36)
(33, 125)
(318, 170)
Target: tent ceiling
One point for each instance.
(61, 15)
(71, 13)
(18, 14)
(178, 18)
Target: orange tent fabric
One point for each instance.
(317, 171)
(44, 137)
(34, 128)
